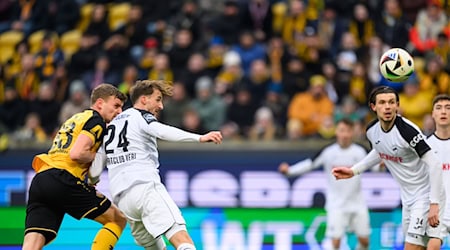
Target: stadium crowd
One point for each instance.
(254, 69)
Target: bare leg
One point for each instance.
(363, 243)
(336, 243)
(409, 246)
(33, 241)
(434, 244)
(179, 238)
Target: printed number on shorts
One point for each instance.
(417, 226)
(122, 143)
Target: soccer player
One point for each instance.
(406, 154)
(58, 186)
(132, 161)
(345, 204)
(440, 143)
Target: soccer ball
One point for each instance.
(396, 65)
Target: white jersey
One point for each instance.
(401, 149)
(342, 195)
(441, 148)
(131, 148)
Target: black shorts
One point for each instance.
(55, 192)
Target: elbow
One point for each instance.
(75, 156)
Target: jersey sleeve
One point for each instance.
(94, 128)
(413, 136)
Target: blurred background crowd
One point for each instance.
(254, 69)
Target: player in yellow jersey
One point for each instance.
(59, 187)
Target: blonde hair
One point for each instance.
(146, 87)
(106, 90)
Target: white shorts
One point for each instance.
(339, 223)
(415, 225)
(151, 212)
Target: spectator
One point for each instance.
(129, 77)
(415, 103)
(248, 50)
(211, 108)
(434, 79)
(116, 48)
(134, 29)
(392, 26)
(62, 15)
(429, 23)
(181, 51)
(77, 102)
(242, 111)
(102, 73)
(196, 68)
(98, 26)
(258, 80)
(12, 110)
(49, 57)
(215, 53)
(147, 60)
(257, 16)
(330, 27)
(190, 18)
(264, 127)
(227, 24)
(46, 108)
(359, 84)
(349, 109)
(27, 16)
(32, 132)
(27, 80)
(295, 77)
(308, 110)
(60, 82)
(442, 50)
(361, 25)
(161, 68)
(277, 102)
(191, 121)
(83, 60)
(230, 75)
(175, 107)
(277, 56)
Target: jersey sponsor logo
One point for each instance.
(120, 159)
(446, 166)
(416, 139)
(397, 159)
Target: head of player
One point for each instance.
(107, 100)
(384, 101)
(441, 112)
(148, 95)
(344, 132)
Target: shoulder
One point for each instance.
(407, 129)
(371, 124)
(91, 118)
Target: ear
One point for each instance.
(372, 107)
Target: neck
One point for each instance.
(443, 132)
(387, 125)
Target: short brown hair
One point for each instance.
(441, 97)
(106, 90)
(146, 87)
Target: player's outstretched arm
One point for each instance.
(213, 136)
(342, 173)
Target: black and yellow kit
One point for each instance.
(58, 186)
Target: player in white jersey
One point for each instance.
(132, 161)
(440, 143)
(345, 205)
(403, 149)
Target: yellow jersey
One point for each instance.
(88, 122)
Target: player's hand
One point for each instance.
(283, 168)
(342, 173)
(213, 136)
(433, 215)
